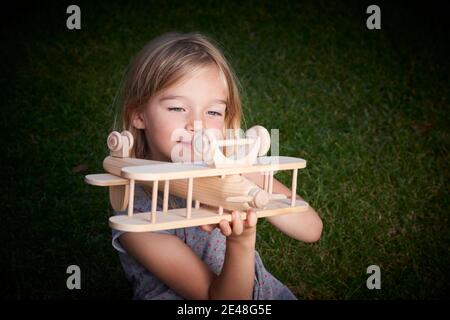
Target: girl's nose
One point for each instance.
(194, 123)
(190, 126)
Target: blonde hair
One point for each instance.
(162, 63)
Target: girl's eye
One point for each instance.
(176, 109)
(214, 113)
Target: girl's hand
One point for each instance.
(237, 228)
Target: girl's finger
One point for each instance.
(238, 225)
(252, 219)
(225, 227)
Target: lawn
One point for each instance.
(368, 110)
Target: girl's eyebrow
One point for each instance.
(171, 96)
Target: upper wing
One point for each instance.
(172, 171)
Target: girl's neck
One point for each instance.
(158, 158)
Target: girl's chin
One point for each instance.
(184, 154)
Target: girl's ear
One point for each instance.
(138, 121)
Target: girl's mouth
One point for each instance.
(185, 143)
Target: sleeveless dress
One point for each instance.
(208, 247)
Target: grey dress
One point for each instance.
(208, 247)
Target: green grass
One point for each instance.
(367, 109)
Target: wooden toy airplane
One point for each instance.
(218, 182)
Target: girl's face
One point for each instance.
(168, 118)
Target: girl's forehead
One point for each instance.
(208, 80)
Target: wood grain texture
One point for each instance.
(176, 218)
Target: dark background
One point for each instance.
(367, 109)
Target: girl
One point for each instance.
(175, 80)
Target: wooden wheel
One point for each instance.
(130, 138)
(264, 136)
(114, 141)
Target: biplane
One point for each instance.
(212, 187)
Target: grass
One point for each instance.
(367, 109)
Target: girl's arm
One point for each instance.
(304, 226)
(176, 264)
(236, 279)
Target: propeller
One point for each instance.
(239, 199)
(259, 200)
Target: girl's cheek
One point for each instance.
(215, 122)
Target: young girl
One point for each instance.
(175, 80)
